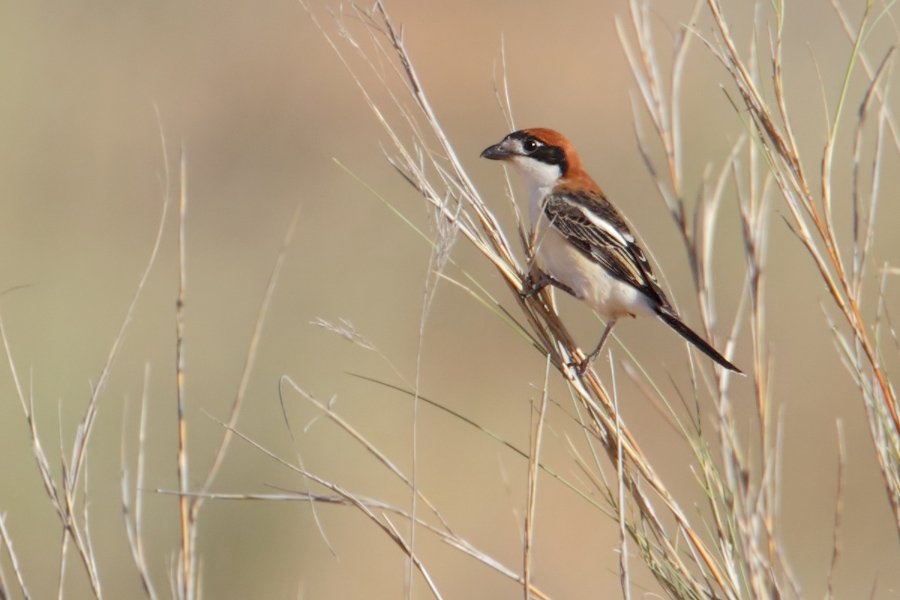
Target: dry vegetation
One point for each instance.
(733, 547)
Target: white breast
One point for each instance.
(610, 297)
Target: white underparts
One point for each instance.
(592, 283)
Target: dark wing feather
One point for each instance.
(567, 212)
(571, 214)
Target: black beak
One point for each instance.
(496, 152)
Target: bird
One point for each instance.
(582, 243)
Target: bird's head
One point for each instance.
(541, 156)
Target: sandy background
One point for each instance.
(262, 107)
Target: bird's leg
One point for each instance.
(533, 285)
(583, 365)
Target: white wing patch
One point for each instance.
(624, 238)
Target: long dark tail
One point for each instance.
(672, 320)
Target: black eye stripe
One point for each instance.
(551, 155)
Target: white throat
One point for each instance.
(536, 173)
(540, 178)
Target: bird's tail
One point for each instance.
(671, 319)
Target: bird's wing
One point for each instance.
(592, 224)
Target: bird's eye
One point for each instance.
(530, 146)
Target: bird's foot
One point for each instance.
(534, 285)
(581, 366)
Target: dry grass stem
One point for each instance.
(14, 559)
(184, 576)
(624, 573)
(369, 507)
(250, 358)
(133, 513)
(838, 510)
(812, 217)
(533, 470)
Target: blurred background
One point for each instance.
(99, 100)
